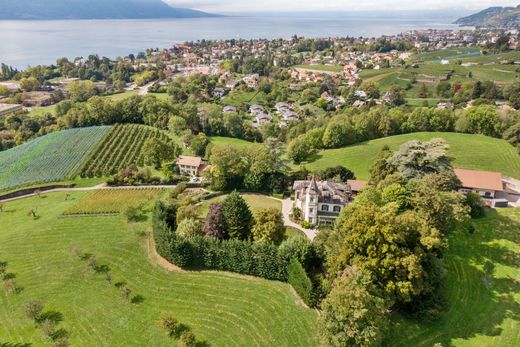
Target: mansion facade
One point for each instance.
(321, 201)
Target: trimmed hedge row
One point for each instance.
(244, 257)
(298, 279)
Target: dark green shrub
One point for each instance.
(298, 279)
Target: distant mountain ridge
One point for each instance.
(93, 9)
(493, 18)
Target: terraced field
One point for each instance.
(120, 148)
(470, 151)
(482, 288)
(106, 201)
(50, 158)
(220, 308)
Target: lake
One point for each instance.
(24, 43)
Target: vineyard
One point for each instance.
(50, 158)
(120, 148)
(113, 201)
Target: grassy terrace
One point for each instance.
(470, 151)
(221, 308)
(321, 67)
(483, 289)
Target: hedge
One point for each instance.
(298, 279)
(244, 257)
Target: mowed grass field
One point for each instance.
(222, 309)
(483, 289)
(470, 151)
(255, 202)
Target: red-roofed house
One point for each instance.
(485, 183)
(190, 165)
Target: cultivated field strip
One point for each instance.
(120, 148)
(221, 308)
(113, 201)
(50, 158)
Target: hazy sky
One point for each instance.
(334, 5)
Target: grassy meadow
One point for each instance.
(469, 151)
(255, 202)
(222, 309)
(483, 289)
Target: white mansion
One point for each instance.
(321, 201)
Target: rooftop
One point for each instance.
(480, 179)
(189, 161)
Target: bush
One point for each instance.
(33, 309)
(298, 279)
(188, 339)
(306, 225)
(170, 324)
(475, 204)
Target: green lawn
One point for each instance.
(222, 140)
(321, 67)
(123, 95)
(470, 151)
(241, 98)
(222, 309)
(483, 290)
(255, 202)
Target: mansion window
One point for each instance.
(311, 210)
(337, 208)
(325, 207)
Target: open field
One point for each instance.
(222, 140)
(221, 308)
(240, 98)
(470, 151)
(483, 289)
(50, 158)
(255, 202)
(321, 67)
(105, 201)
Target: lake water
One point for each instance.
(24, 43)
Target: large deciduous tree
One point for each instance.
(351, 315)
(155, 151)
(269, 226)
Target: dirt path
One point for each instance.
(155, 258)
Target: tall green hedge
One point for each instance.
(298, 279)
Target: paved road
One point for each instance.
(144, 89)
(287, 205)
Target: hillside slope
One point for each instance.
(221, 308)
(93, 9)
(470, 151)
(493, 17)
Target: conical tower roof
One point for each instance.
(313, 186)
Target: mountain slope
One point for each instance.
(93, 9)
(493, 17)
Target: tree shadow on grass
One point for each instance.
(8, 344)
(481, 294)
(53, 316)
